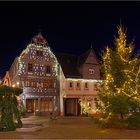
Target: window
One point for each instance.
(49, 104)
(51, 84)
(39, 53)
(45, 84)
(33, 84)
(86, 85)
(78, 85)
(48, 69)
(30, 67)
(89, 104)
(48, 83)
(70, 85)
(91, 71)
(95, 100)
(27, 83)
(96, 86)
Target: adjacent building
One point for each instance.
(79, 78)
(54, 82)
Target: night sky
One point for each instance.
(69, 27)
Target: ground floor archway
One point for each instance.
(72, 107)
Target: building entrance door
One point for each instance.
(43, 105)
(47, 104)
(31, 105)
(72, 107)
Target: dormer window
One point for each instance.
(91, 71)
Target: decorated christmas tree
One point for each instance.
(120, 92)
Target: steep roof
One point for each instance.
(84, 56)
(39, 39)
(69, 64)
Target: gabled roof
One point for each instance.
(69, 65)
(39, 39)
(84, 56)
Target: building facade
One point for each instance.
(36, 71)
(54, 82)
(79, 80)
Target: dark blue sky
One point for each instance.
(69, 27)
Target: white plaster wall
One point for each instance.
(62, 91)
(90, 90)
(65, 90)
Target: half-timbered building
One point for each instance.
(36, 71)
(54, 82)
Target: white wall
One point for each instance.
(65, 90)
(62, 91)
(82, 90)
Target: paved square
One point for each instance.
(70, 128)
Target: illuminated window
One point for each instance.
(96, 86)
(91, 71)
(39, 53)
(30, 67)
(49, 104)
(48, 69)
(48, 83)
(33, 84)
(89, 104)
(51, 84)
(27, 83)
(45, 84)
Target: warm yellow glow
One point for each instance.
(17, 83)
(13, 85)
(84, 80)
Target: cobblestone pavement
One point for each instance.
(69, 128)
